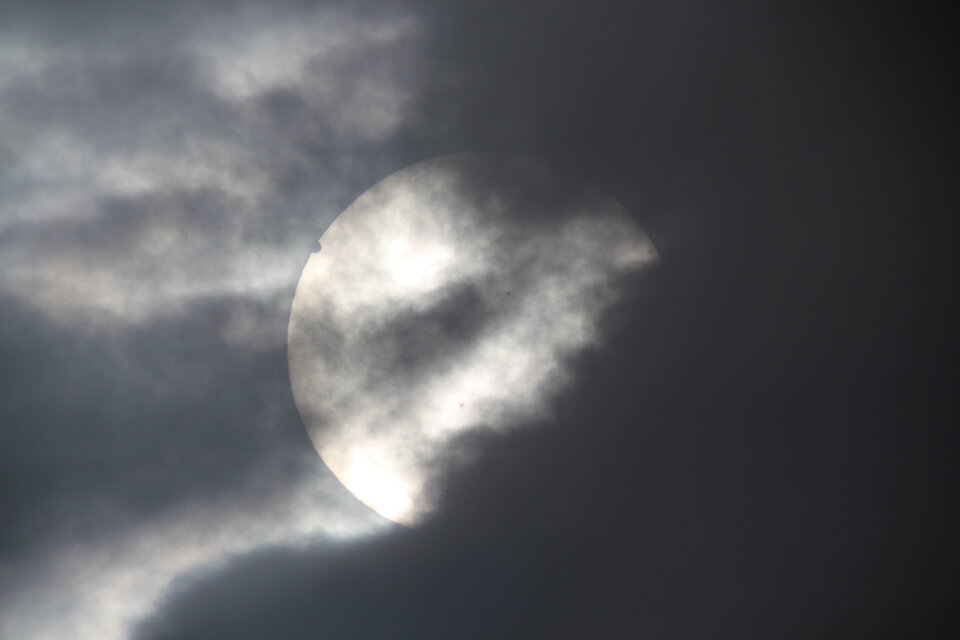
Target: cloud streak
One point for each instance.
(140, 178)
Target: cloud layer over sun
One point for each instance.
(450, 297)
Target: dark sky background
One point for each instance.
(761, 449)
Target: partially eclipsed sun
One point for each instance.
(449, 298)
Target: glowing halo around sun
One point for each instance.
(447, 298)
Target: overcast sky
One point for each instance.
(756, 445)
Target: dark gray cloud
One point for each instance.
(172, 437)
(761, 449)
(625, 516)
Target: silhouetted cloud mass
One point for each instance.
(749, 439)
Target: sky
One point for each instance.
(754, 443)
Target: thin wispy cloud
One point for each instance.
(142, 175)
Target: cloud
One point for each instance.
(756, 452)
(98, 589)
(142, 177)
